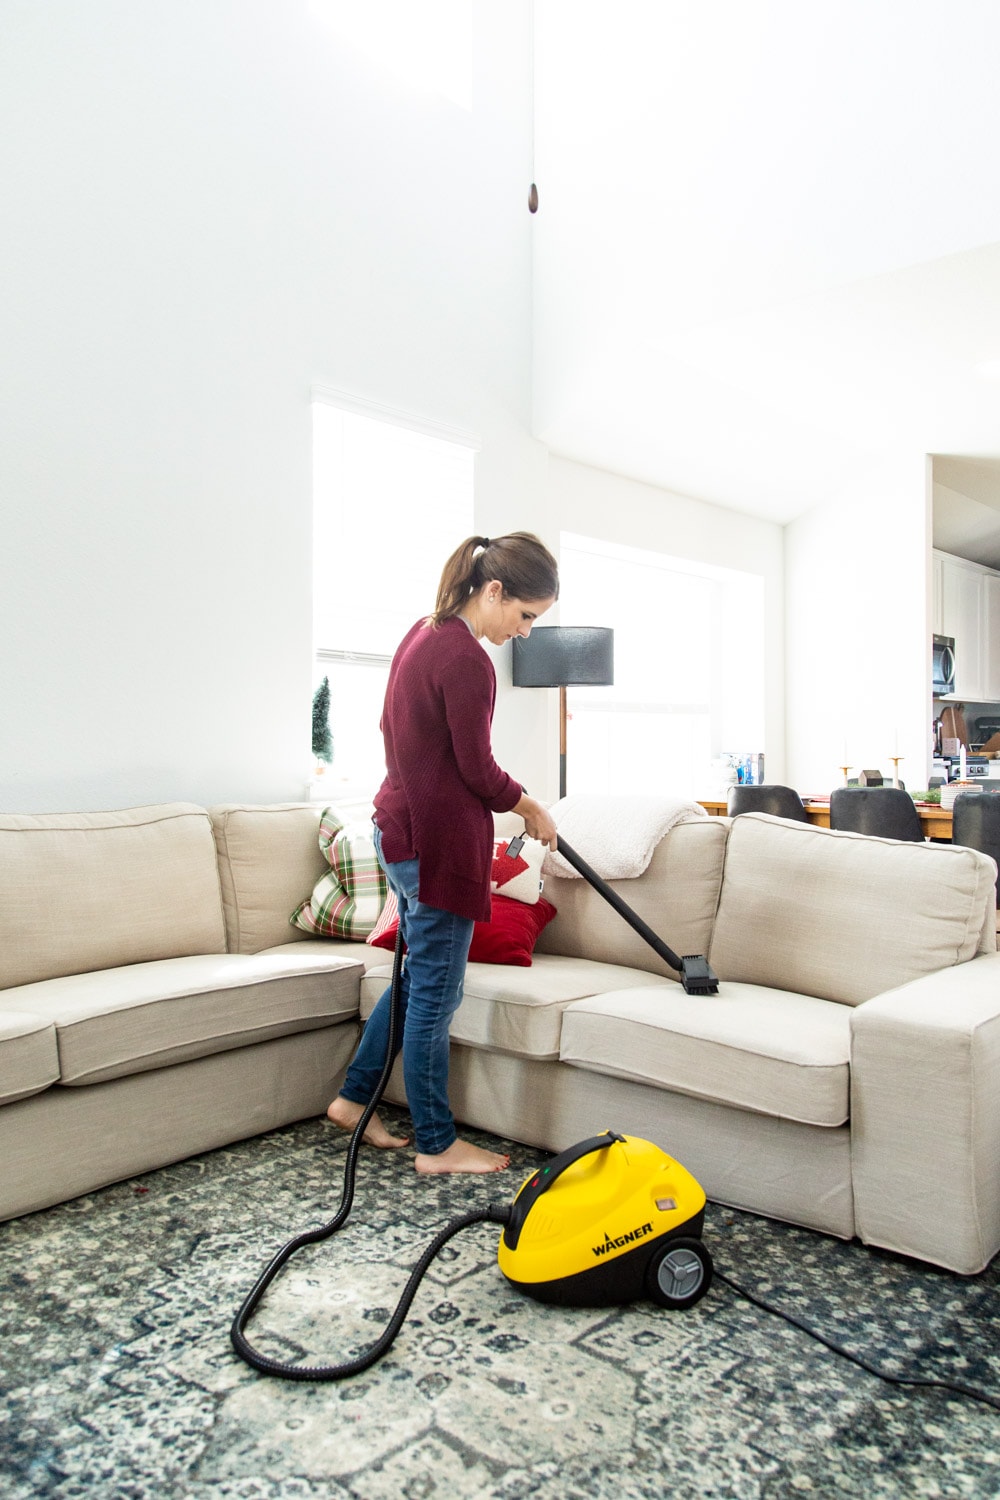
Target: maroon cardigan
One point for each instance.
(442, 783)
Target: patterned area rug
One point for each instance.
(119, 1381)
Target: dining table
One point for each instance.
(935, 820)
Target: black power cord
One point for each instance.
(494, 1213)
(956, 1387)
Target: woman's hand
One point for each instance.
(538, 823)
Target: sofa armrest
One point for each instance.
(925, 1116)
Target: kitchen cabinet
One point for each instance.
(962, 615)
(967, 607)
(937, 566)
(991, 637)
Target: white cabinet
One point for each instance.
(963, 616)
(991, 637)
(967, 606)
(937, 565)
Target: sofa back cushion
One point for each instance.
(676, 895)
(85, 891)
(269, 862)
(843, 916)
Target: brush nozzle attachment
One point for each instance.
(697, 976)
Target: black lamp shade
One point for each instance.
(564, 655)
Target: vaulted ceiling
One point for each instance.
(767, 251)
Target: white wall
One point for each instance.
(858, 629)
(207, 208)
(966, 525)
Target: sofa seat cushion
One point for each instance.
(844, 916)
(520, 1010)
(345, 948)
(755, 1048)
(145, 1016)
(29, 1057)
(87, 891)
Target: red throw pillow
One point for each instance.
(509, 937)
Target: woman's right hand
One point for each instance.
(538, 822)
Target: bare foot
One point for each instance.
(346, 1114)
(461, 1156)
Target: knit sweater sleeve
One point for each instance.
(469, 692)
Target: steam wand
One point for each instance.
(697, 976)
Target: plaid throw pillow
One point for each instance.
(347, 901)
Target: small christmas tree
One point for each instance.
(322, 739)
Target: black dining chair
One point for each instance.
(781, 801)
(975, 822)
(886, 811)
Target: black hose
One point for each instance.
(494, 1213)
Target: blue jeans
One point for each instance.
(437, 950)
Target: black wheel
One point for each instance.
(679, 1274)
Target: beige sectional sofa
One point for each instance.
(140, 1022)
(155, 1002)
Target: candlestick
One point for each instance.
(895, 763)
(843, 771)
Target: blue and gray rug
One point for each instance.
(119, 1381)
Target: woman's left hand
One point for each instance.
(538, 822)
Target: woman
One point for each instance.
(434, 826)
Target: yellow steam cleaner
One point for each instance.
(610, 1220)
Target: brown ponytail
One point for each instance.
(524, 565)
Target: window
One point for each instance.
(689, 673)
(393, 497)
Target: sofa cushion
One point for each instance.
(676, 895)
(844, 916)
(269, 861)
(356, 953)
(130, 1020)
(85, 891)
(521, 1010)
(346, 901)
(760, 1049)
(29, 1057)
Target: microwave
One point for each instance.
(943, 665)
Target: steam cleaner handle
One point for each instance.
(622, 908)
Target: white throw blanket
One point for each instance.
(615, 835)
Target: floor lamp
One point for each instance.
(564, 656)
